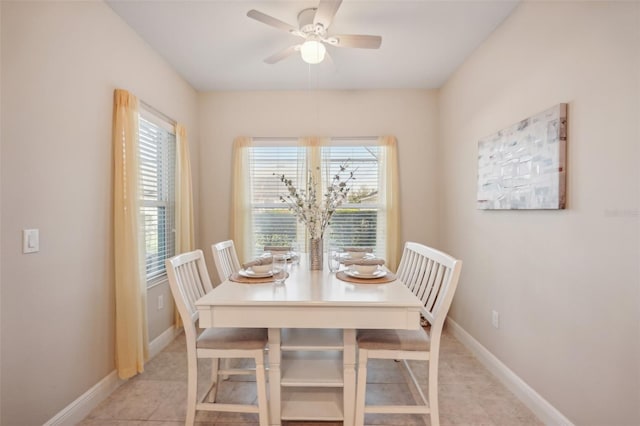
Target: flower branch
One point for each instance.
(306, 206)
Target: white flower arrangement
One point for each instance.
(304, 203)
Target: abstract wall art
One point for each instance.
(524, 165)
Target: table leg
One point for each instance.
(274, 376)
(349, 361)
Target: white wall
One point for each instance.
(61, 62)
(407, 114)
(565, 282)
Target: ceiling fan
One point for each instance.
(313, 24)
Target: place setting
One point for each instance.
(264, 269)
(361, 266)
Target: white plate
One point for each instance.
(355, 274)
(250, 274)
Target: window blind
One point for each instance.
(157, 157)
(273, 223)
(359, 221)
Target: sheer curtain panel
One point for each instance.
(390, 193)
(184, 195)
(130, 283)
(184, 201)
(241, 213)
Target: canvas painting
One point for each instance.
(523, 166)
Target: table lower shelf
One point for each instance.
(311, 368)
(324, 404)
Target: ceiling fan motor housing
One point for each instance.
(306, 25)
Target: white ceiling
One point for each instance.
(215, 46)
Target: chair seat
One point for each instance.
(232, 338)
(397, 340)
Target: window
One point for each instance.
(273, 223)
(157, 149)
(358, 222)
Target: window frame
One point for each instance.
(301, 235)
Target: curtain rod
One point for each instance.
(158, 113)
(337, 138)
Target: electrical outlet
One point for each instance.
(160, 302)
(495, 319)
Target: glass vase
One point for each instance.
(315, 254)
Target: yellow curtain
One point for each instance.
(390, 193)
(184, 195)
(241, 199)
(184, 200)
(130, 284)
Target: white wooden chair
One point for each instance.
(433, 277)
(189, 280)
(225, 258)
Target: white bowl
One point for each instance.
(261, 269)
(357, 254)
(365, 269)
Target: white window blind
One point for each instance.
(358, 222)
(157, 150)
(273, 223)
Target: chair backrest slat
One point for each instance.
(437, 285)
(432, 276)
(225, 258)
(423, 290)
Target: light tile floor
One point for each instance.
(469, 394)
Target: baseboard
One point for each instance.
(159, 343)
(75, 412)
(546, 412)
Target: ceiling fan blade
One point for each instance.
(271, 21)
(326, 11)
(277, 57)
(356, 40)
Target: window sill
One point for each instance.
(154, 282)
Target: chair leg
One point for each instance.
(433, 392)
(192, 391)
(261, 384)
(215, 381)
(225, 366)
(361, 387)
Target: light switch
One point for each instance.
(30, 240)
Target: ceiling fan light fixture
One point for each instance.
(313, 51)
(313, 24)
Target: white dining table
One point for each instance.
(311, 304)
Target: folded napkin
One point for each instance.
(277, 248)
(359, 249)
(263, 260)
(372, 261)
